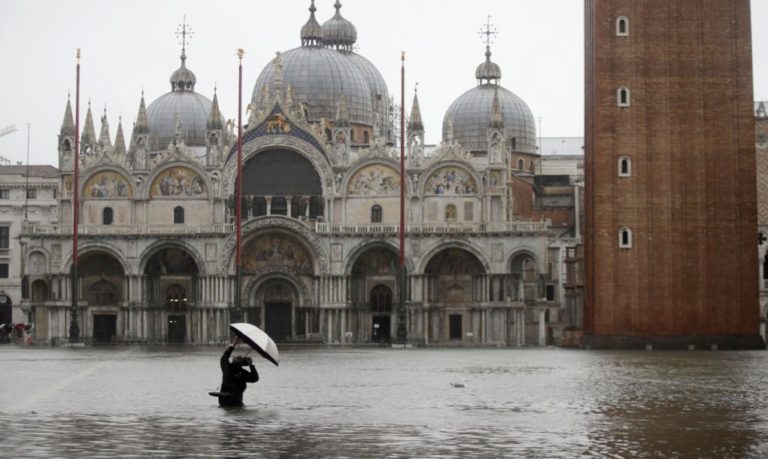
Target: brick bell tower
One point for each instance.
(671, 221)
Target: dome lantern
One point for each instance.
(312, 32)
(338, 33)
(488, 72)
(183, 79)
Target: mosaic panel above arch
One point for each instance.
(450, 180)
(377, 260)
(178, 181)
(275, 250)
(454, 260)
(376, 179)
(108, 185)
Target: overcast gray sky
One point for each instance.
(131, 45)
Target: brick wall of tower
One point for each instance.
(691, 199)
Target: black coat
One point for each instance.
(234, 380)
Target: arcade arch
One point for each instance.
(454, 276)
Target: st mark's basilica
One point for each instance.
(321, 214)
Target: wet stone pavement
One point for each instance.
(359, 403)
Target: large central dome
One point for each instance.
(318, 76)
(323, 70)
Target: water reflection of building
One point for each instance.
(321, 190)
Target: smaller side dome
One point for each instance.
(311, 32)
(339, 33)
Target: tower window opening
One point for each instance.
(625, 238)
(625, 167)
(623, 97)
(622, 26)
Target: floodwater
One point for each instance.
(361, 403)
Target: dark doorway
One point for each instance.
(177, 329)
(104, 328)
(277, 321)
(381, 329)
(455, 326)
(6, 309)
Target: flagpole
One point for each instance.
(402, 160)
(74, 327)
(402, 277)
(239, 187)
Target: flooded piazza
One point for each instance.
(339, 402)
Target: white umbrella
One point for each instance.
(258, 340)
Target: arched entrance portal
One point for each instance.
(170, 276)
(455, 286)
(373, 285)
(279, 298)
(101, 280)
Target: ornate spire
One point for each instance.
(104, 139)
(142, 122)
(183, 79)
(488, 71)
(120, 139)
(214, 119)
(497, 115)
(68, 125)
(89, 132)
(338, 32)
(414, 123)
(311, 32)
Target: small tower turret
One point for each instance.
(105, 143)
(341, 131)
(67, 139)
(496, 135)
(138, 155)
(119, 152)
(215, 138)
(88, 139)
(415, 132)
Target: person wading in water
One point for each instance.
(235, 376)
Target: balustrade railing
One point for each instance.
(131, 229)
(320, 227)
(432, 228)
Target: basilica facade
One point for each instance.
(320, 215)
